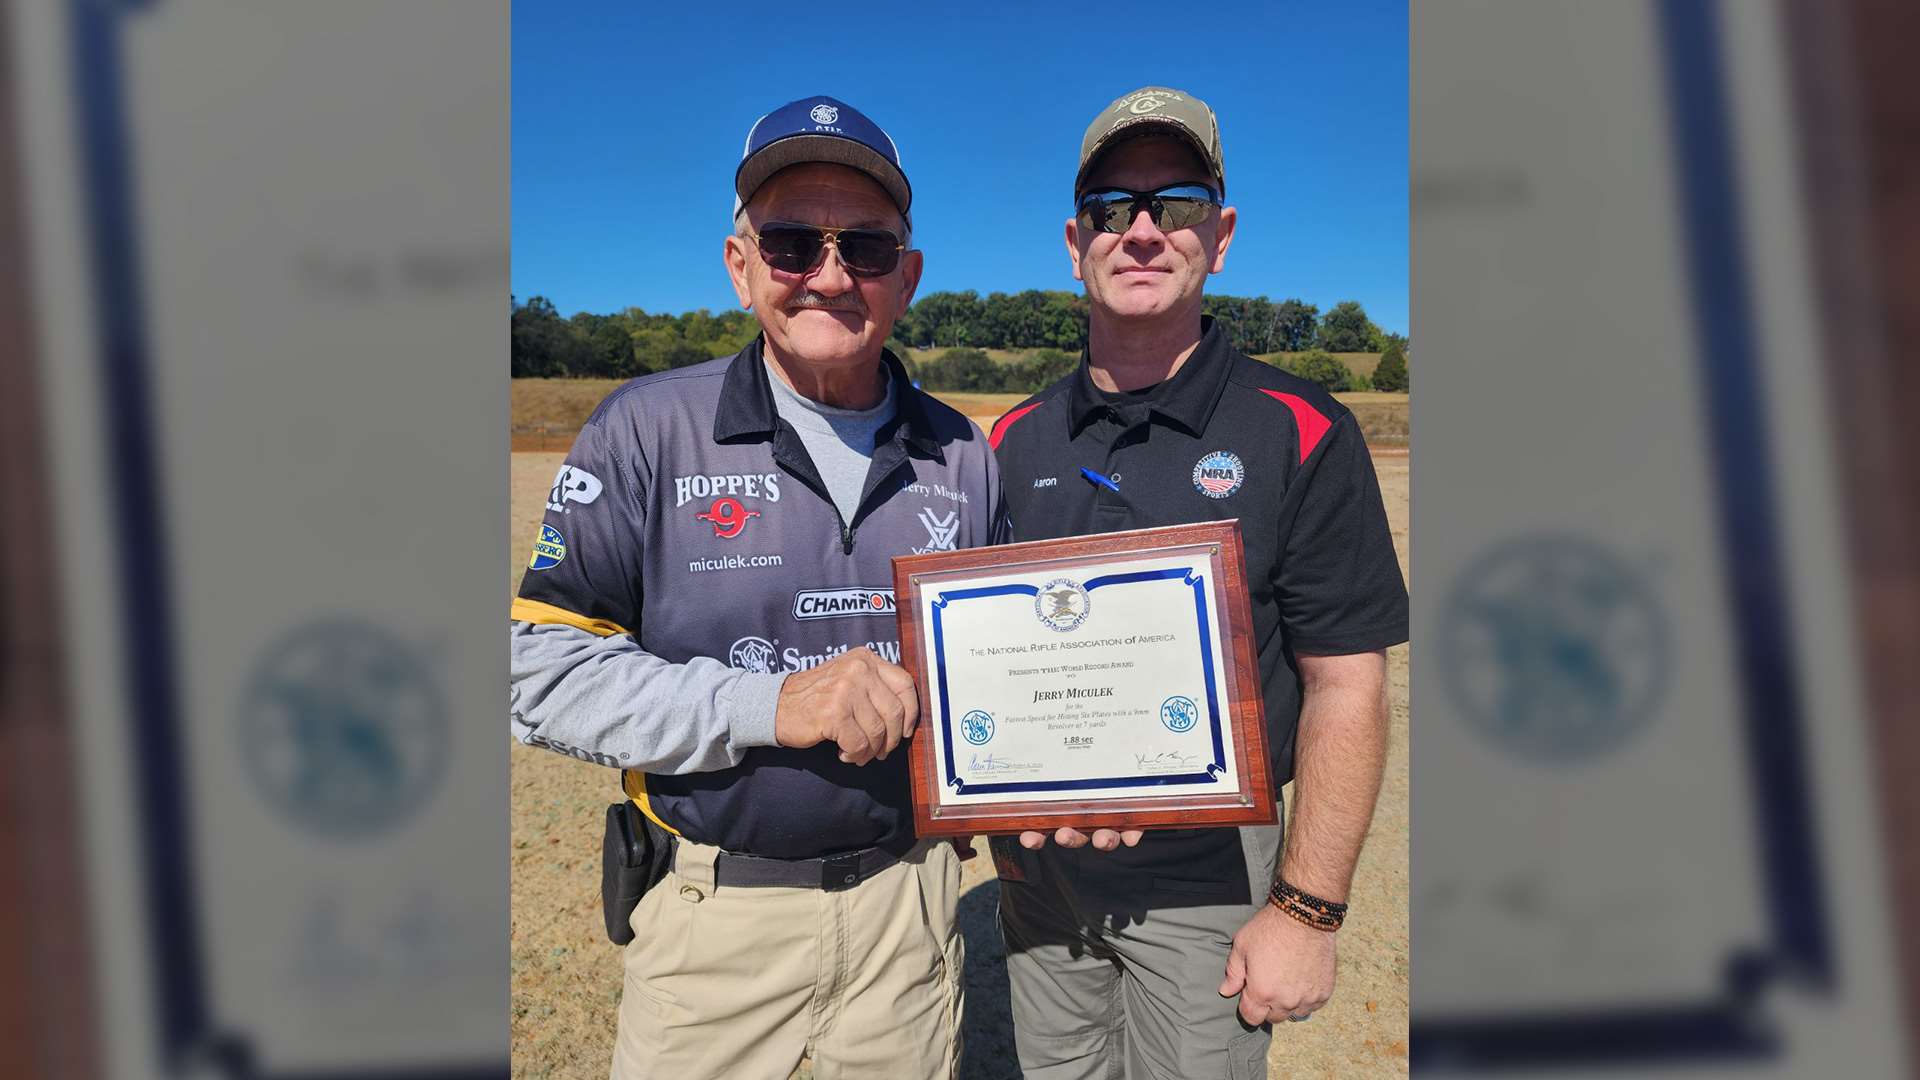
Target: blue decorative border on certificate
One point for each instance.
(1214, 770)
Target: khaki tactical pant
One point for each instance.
(1115, 958)
(740, 982)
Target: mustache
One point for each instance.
(846, 301)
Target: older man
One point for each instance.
(1168, 955)
(710, 609)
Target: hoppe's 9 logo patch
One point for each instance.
(728, 516)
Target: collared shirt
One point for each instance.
(1226, 437)
(690, 558)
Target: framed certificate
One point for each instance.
(1105, 680)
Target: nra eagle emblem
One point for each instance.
(1062, 604)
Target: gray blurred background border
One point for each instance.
(1664, 250)
(255, 375)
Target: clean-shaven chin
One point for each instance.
(1140, 282)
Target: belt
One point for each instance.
(831, 873)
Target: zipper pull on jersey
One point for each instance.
(846, 539)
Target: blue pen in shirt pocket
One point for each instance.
(1098, 479)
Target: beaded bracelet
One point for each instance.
(1306, 907)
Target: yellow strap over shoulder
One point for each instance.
(535, 611)
(634, 783)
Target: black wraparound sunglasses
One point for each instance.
(792, 248)
(1177, 206)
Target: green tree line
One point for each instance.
(633, 342)
(969, 370)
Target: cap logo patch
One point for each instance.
(825, 114)
(1219, 474)
(1143, 105)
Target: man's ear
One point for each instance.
(911, 264)
(1224, 239)
(734, 252)
(1073, 247)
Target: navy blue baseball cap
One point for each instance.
(820, 129)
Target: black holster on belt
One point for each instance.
(634, 856)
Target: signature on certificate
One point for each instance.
(1164, 758)
(989, 763)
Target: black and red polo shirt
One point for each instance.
(1226, 437)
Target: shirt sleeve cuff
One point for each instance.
(1345, 643)
(749, 707)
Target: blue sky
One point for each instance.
(628, 123)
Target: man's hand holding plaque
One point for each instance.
(856, 700)
(1069, 837)
(1085, 689)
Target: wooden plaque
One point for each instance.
(1099, 681)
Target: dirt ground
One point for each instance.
(566, 976)
(546, 413)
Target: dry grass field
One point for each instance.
(998, 356)
(1384, 417)
(547, 412)
(1360, 363)
(567, 977)
(544, 414)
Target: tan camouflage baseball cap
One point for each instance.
(1154, 110)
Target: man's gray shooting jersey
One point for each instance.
(691, 557)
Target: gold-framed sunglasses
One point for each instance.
(793, 248)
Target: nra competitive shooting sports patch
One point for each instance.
(1219, 474)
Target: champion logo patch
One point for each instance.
(1219, 474)
(841, 603)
